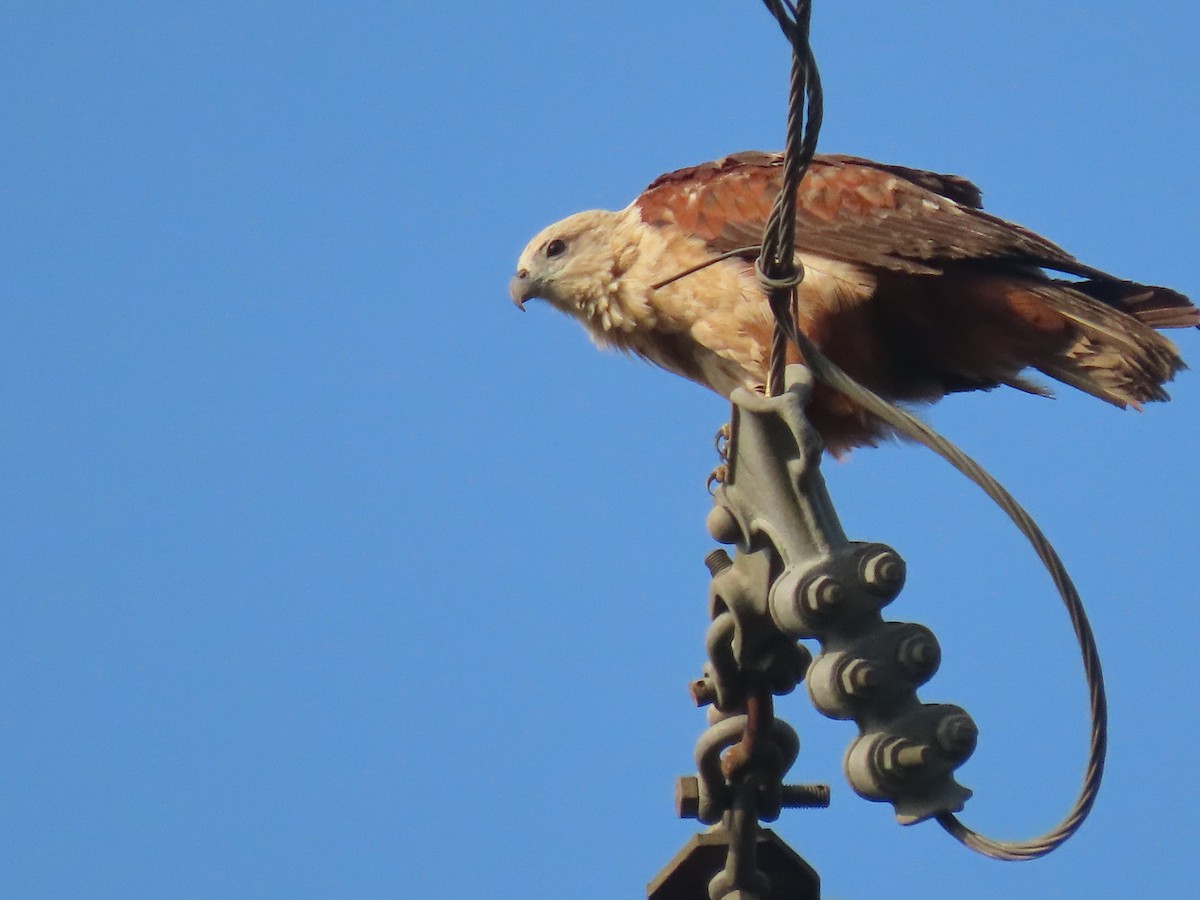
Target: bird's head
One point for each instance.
(569, 263)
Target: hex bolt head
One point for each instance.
(703, 692)
(717, 562)
(821, 595)
(957, 735)
(919, 654)
(687, 797)
(858, 678)
(883, 572)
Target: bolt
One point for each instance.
(717, 561)
(919, 654)
(858, 678)
(821, 594)
(687, 797)
(901, 756)
(883, 572)
(703, 692)
(957, 735)
(805, 796)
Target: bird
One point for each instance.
(909, 287)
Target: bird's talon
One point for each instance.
(717, 476)
(721, 441)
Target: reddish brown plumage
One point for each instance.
(959, 301)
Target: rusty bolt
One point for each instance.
(735, 759)
(805, 796)
(703, 692)
(687, 797)
(717, 561)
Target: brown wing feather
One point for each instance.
(849, 209)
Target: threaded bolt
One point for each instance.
(821, 595)
(901, 756)
(883, 572)
(804, 796)
(859, 678)
(717, 562)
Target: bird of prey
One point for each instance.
(908, 286)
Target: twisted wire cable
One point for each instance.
(780, 274)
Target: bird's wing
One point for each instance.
(849, 209)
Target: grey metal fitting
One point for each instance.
(713, 797)
(919, 653)
(825, 688)
(907, 765)
(882, 570)
(786, 665)
(722, 670)
(902, 758)
(957, 735)
(859, 678)
(795, 575)
(722, 526)
(713, 791)
(821, 595)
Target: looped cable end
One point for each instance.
(785, 283)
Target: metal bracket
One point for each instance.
(795, 575)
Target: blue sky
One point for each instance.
(328, 574)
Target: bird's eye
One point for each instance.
(556, 248)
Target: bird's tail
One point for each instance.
(974, 328)
(1114, 354)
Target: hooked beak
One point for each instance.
(521, 288)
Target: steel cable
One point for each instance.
(780, 274)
